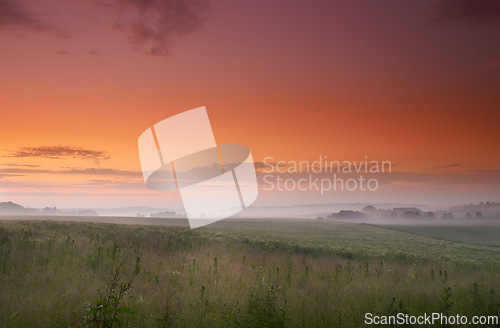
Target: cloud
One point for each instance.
(79, 194)
(468, 12)
(113, 184)
(60, 152)
(7, 175)
(16, 19)
(93, 171)
(447, 166)
(87, 184)
(88, 171)
(94, 53)
(154, 25)
(19, 165)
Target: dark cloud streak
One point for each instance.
(154, 25)
(151, 26)
(60, 152)
(19, 165)
(87, 171)
(16, 19)
(8, 175)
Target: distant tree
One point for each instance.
(50, 210)
(369, 209)
(412, 215)
(348, 214)
(448, 215)
(479, 215)
(165, 214)
(468, 215)
(10, 207)
(429, 215)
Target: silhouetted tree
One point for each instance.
(448, 215)
(411, 215)
(50, 210)
(369, 209)
(349, 214)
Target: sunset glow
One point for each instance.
(405, 82)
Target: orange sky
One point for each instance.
(412, 82)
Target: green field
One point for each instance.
(481, 234)
(239, 273)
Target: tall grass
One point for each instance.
(59, 274)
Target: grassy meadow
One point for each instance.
(473, 234)
(236, 273)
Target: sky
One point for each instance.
(415, 83)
